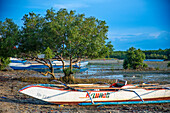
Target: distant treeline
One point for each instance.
(150, 54)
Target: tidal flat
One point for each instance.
(11, 101)
(113, 69)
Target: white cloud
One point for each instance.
(123, 36)
(134, 37)
(155, 34)
(164, 35)
(70, 6)
(157, 39)
(145, 41)
(138, 36)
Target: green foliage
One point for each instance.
(69, 34)
(145, 65)
(65, 32)
(8, 38)
(168, 64)
(150, 54)
(134, 59)
(48, 53)
(157, 68)
(158, 54)
(4, 62)
(118, 54)
(67, 71)
(31, 39)
(110, 49)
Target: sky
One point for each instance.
(143, 24)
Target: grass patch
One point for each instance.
(35, 80)
(93, 80)
(43, 80)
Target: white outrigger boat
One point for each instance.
(97, 94)
(20, 64)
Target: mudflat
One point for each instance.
(11, 101)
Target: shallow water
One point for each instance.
(108, 72)
(139, 77)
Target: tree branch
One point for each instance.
(46, 62)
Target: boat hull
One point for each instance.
(24, 65)
(66, 96)
(128, 102)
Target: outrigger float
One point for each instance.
(99, 94)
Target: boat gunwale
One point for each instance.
(79, 89)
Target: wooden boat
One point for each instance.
(96, 94)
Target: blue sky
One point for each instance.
(143, 24)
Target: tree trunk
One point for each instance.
(63, 64)
(51, 69)
(62, 60)
(70, 66)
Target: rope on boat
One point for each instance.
(134, 92)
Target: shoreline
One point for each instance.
(11, 101)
